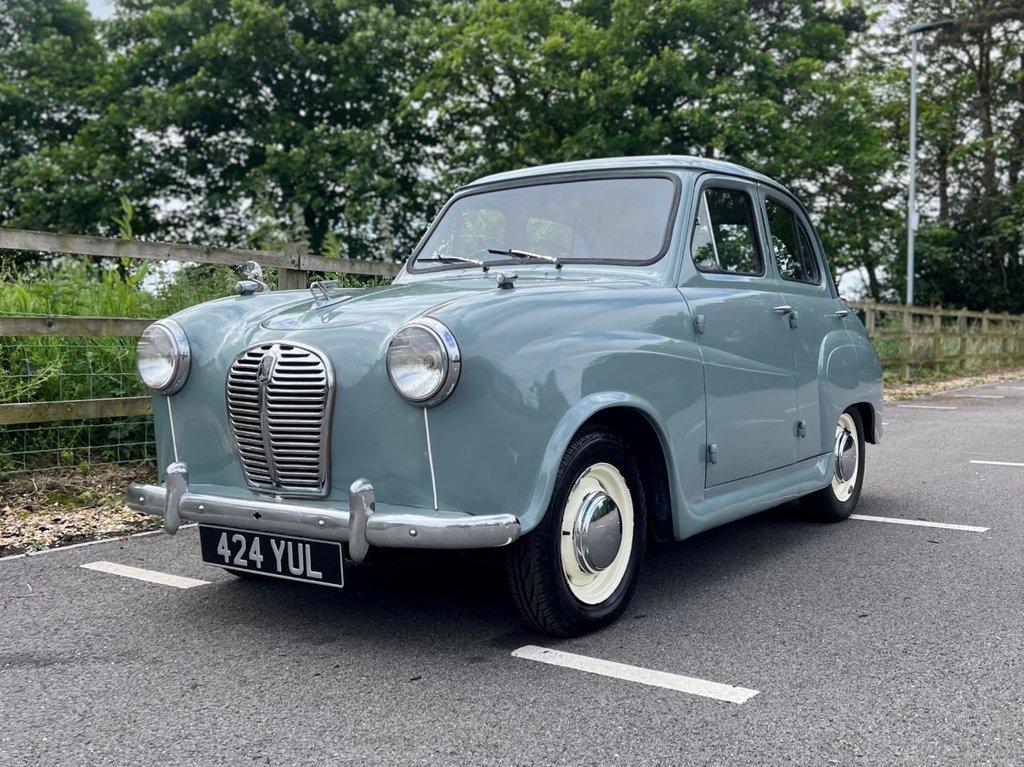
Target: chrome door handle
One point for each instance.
(783, 310)
(841, 313)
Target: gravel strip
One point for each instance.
(55, 508)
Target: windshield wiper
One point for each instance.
(526, 254)
(455, 260)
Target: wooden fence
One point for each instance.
(914, 338)
(293, 262)
(908, 338)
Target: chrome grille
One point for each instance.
(279, 399)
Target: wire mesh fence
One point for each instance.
(50, 369)
(67, 444)
(63, 365)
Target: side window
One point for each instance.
(791, 244)
(724, 238)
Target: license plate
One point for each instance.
(297, 559)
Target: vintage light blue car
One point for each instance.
(574, 358)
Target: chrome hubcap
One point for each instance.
(846, 456)
(597, 533)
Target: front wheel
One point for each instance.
(577, 570)
(837, 501)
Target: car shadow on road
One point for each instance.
(434, 598)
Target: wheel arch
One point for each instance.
(870, 419)
(639, 433)
(638, 422)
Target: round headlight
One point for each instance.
(424, 362)
(163, 356)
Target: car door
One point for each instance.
(744, 340)
(808, 289)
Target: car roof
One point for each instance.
(647, 162)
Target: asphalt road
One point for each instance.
(868, 643)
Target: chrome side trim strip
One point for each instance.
(170, 422)
(430, 457)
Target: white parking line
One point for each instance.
(646, 676)
(1011, 388)
(981, 396)
(55, 549)
(920, 523)
(930, 407)
(998, 463)
(153, 576)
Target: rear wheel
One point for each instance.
(577, 570)
(837, 501)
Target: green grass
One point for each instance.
(54, 368)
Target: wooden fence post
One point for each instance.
(961, 329)
(986, 345)
(869, 321)
(293, 278)
(937, 338)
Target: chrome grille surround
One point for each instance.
(279, 398)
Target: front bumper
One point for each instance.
(361, 525)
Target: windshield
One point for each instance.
(607, 220)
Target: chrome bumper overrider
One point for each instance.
(361, 525)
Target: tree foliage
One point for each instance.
(344, 122)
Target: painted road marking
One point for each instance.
(920, 523)
(931, 407)
(997, 463)
(55, 549)
(981, 396)
(1012, 388)
(153, 576)
(646, 676)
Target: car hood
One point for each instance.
(390, 304)
(394, 305)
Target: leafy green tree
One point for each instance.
(276, 117)
(970, 248)
(242, 121)
(766, 83)
(50, 59)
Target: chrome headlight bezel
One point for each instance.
(179, 358)
(451, 358)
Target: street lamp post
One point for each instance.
(914, 31)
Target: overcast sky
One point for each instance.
(101, 9)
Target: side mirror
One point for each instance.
(252, 279)
(248, 287)
(251, 270)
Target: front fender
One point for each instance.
(535, 368)
(567, 426)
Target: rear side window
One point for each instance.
(724, 238)
(791, 244)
